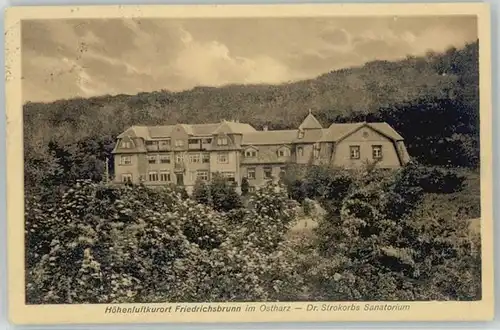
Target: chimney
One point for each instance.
(265, 128)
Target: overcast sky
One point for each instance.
(69, 58)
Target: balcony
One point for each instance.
(179, 166)
(163, 145)
(152, 147)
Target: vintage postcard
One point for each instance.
(249, 163)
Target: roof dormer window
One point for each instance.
(250, 153)
(222, 141)
(283, 152)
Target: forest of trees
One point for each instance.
(432, 101)
(398, 235)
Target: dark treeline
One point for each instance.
(433, 101)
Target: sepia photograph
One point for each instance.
(335, 162)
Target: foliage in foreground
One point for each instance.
(387, 245)
(134, 244)
(102, 244)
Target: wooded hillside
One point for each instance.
(433, 101)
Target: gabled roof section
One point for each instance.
(135, 131)
(310, 122)
(313, 136)
(338, 132)
(269, 137)
(158, 132)
(267, 155)
(162, 132)
(387, 130)
(137, 145)
(187, 128)
(229, 127)
(203, 129)
(284, 146)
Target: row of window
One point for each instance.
(166, 176)
(356, 154)
(179, 158)
(283, 152)
(221, 141)
(268, 172)
(223, 157)
(177, 143)
(194, 158)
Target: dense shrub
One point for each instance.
(245, 186)
(387, 245)
(435, 179)
(108, 244)
(322, 183)
(223, 195)
(201, 192)
(383, 238)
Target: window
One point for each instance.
(251, 189)
(222, 141)
(301, 134)
(194, 141)
(153, 176)
(251, 173)
(179, 143)
(268, 173)
(354, 150)
(205, 157)
(127, 178)
(151, 143)
(125, 160)
(126, 144)
(194, 158)
(283, 152)
(165, 176)
(223, 158)
(179, 158)
(164, 144)
(282, 172)
(377, 152)
(300, 151)
(228, 175)
(152, 159)
(316, 150)
(203, 175)
(206, 141)
(251, 153)
(165, 159)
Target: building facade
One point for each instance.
(180, 154)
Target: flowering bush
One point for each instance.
(378, 241)
(104, 244)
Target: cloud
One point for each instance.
(211, 63)
(68, 58)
